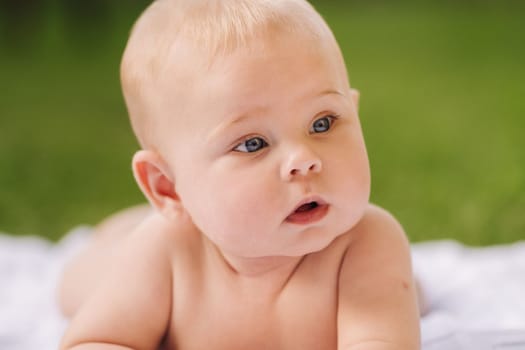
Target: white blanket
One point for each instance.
(29, 271)
(476, 296)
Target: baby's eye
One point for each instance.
(253, 144)
(322, 124)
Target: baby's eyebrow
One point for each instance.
(258, 110)
(331, 92)
(245, 116)
(238, 118)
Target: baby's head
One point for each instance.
(175, 42)
(247, 122)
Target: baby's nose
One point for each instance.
(302, 162)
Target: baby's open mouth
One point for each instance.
(306, 207)
(308, 213)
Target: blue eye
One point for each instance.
(322, 124)
(253, 144)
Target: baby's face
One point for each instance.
(269, 159)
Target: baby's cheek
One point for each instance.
(250, 210)
(245, 208)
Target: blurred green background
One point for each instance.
(442, 107)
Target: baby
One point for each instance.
(261, 234)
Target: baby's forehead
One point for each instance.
(232, 75)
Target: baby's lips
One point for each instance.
(310, 199)
(309, 210)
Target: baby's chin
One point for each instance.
(288, 251)
(317, 242)
(311, 240)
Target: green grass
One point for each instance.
(442, 106)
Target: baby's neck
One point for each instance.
(271, 273)
(261, 267)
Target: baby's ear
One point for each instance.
(156, 182)
(354, 93)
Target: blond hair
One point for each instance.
(212, 28)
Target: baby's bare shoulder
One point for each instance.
(376, 239)
(376, 287)
(139, 279)
(374, 248)
(377, 219)
(175, 247)
(157, 234)
(376, 226)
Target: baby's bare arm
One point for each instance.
(377, 296)
(82, 274)
(131, 307)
